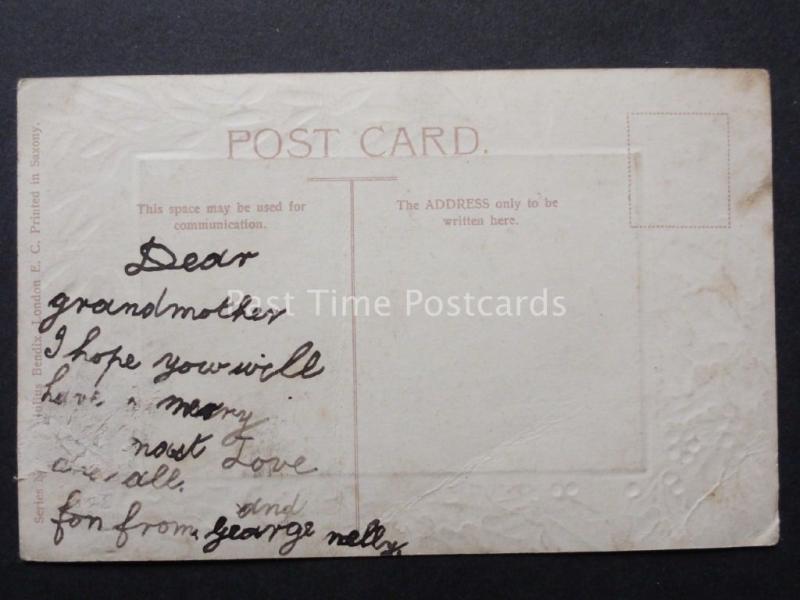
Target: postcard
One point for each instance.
(383, 314)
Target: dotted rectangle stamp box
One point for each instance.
(679, 170)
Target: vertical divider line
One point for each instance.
(351, 181)
(356, 486)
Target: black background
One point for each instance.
(41, 39)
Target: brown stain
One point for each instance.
(748, 79)
(705, 374)
(636, 165)
(758, 196)
(634, 177)
(724, 287)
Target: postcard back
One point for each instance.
(395, 313)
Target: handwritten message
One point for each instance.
(222, 434)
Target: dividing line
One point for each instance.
(351, 181)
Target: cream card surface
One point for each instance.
(395, 313)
